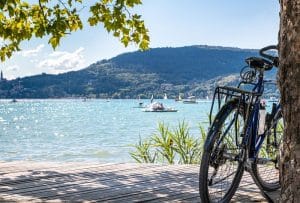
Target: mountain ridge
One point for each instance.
(190, 69)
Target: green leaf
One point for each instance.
(54, 41)
(22, 20)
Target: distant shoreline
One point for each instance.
(78, 98)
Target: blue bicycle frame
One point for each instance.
(252, 139)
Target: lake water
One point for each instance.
(95, 130)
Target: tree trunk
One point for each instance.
(289, 85)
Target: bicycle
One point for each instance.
(241, 137)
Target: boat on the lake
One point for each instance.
(178, 99)
(141, 105)
(152, 98)
(158, 107)
(13, 101)
(165, 97)
(190, 100)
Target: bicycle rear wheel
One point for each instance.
(266, 169)
(221, 167)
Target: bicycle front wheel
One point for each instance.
(266, 168)
(221, 166)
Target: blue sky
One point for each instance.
(172, 23)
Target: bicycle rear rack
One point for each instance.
(226, 93)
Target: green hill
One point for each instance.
(190, 70)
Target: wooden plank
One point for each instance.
(64, 185)
(46, 166)
(31, 175)
(125, 192)
(80, 191)
(127, 181)
(78, 173)
(78, 177)
(47, 182)
(169, 192)
(11, 167)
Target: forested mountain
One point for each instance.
(189, 70)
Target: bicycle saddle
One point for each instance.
(259, 63)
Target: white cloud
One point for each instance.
(13, 68)
(32, 52)
(34, 60)
(63, 61)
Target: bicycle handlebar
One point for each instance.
(274, 59)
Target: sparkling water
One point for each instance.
(95, 130)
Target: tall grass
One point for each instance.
(178, 146)
(271, 151)
(143, 153)
(175, 146)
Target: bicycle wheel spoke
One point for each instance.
(223, 178)
(226, 131)
(266, 168)
(223, 168)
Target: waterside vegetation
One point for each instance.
(171, 146)
(178, 146)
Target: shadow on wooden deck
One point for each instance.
(74, 182)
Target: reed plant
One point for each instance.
(270, 150)
(178, 146)
(172, 146)
(143, 153)
(163, 144)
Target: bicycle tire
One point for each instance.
(212, 138)
(266, 181)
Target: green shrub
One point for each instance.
(142, 153)
(170, 146)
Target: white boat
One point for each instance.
(13, 101)
(165, 97)
(190, 100)
(152, 98)
(158, 107)
(179, 99)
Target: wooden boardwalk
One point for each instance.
(91, 182)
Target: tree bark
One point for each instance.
(289, 85)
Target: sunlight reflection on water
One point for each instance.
(96, 130)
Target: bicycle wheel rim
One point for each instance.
(229, 173)
(268, 173)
